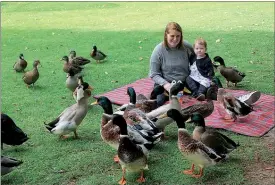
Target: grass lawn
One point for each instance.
(127, 32)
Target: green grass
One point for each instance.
(49, 30)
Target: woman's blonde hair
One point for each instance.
(173, 26)
(200, 41)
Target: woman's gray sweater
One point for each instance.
(168, 64)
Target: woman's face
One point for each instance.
(173, 38)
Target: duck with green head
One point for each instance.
(132, 155)
(97, 54)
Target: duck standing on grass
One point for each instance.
(78, 61)
(132, 156)
(110, 132)
(69, 120)
(219, 142)
(68, 65)
(72, 80)
(21, 64)
(11, 134)
(193, 150)
(97, 54)
(32, 76)
(8, 164)
(229, 73)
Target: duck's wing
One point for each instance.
(101, 53)
(67, 114)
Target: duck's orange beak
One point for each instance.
(94, 103)
(90, 88)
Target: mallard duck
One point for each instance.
(173, 101)
(219, 142)
(157, 115)
(11, 134)
(68, 65)
(97, 54)
(110, 132)
(193, 150)
(72, 80)
(78, 61)
(132, 155)
(31, 77)
(21, 64)
(69, 120)
(141, 101)
(229, 73)
(232, 105)
(72, 55)
(8, 164)
(205, 109)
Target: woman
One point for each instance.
(170, 58)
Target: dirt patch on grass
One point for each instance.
(261, 172)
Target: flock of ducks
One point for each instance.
(133, 129)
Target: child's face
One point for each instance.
(199, 50)
(173, 38)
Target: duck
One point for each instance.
(9, 164)
(97, 54)
(229, 73)
(78, 61)
(11, 134)
(21, 64)
(68, 65)
(141, 101)
(205, 109)
(158, 115)
(132, 155)
(32, 76)
(232, 106)
(195, 151)
(110, 132)
(72, 55)
(217, 141)
(72, 80)
(69, 120)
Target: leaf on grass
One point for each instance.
(218, 40)
(114, 81)
(140, 47)
(26, 48)
(139, 41)
(251, 62)
(106, 72)
(269, 168)
(140, 58)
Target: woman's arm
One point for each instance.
(155, 66)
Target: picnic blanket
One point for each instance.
(257, 123)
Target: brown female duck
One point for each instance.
(205, 109)
(32, 76)
(21, 64)
(78, 61)
(68, 65)
(193, 150)
(219, 142)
